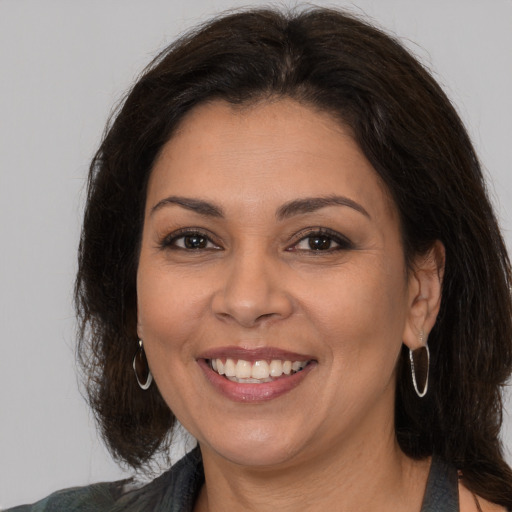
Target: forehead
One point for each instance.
(268, 151)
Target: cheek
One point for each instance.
(170, 308)
(169, 312)
(361, 311)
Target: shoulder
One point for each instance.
(176, 489)
(446, 491)
(97, 497)
(468, 502)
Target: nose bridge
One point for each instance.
(251, 290)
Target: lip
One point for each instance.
(251, 392)
(254, 354)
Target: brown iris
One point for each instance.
(195, 242)
(319, 243)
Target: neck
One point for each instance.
(369, 475)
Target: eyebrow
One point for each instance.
(196, 205)
(287, 210)
(312, 204)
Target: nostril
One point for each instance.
(251, 295)
(265, 316)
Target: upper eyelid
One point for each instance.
(308, 232)
(295, 238)
(342, 241)
(180, 233)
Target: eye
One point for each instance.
(316, 243)
(322, 240)
(189, 241)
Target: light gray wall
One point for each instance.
(62, 66)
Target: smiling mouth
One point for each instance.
(255, 372)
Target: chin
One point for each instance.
(255, 457)
(254, 450)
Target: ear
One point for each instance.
(424, 300)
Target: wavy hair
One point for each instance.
(415, 140)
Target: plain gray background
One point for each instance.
(63, 65)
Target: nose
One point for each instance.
(252, 292)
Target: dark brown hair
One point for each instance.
(416, 142)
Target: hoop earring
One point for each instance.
(141, 368)
(420, 365)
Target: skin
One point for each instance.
(329, 443)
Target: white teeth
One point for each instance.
(257, 371)
(249, 381)
(296, 366)
(243, 369)
(276, 368)
(260, 370)
(230, 368)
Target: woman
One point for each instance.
(288, 247)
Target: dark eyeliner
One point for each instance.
(168, 241)
(342, 241)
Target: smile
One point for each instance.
(260, 371)
(255, 375)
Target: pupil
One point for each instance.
(319, 243)
(195, 242)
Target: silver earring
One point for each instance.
(420, 364)
(141, 368)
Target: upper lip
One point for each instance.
(254, 354)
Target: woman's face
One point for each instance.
(269, 242)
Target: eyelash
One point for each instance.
(169, 242)
(343, 243)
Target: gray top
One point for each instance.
(177, 489)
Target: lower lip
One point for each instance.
(250, 392)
